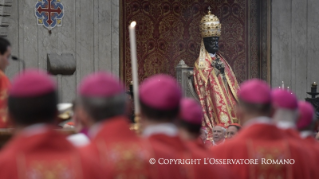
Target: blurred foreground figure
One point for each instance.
(305, 124)
(37, 150)
(5, 54)
(261, 140)
(306, 120)
(232, 130)
(102, 105)
(81, 137)
(160, 98)
(317, 136)
(285, 105)
(190, 124)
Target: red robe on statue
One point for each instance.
(122, 154)
(44, 153)
(180, 150)
(265, 142)
(4, 85)
(217, 94)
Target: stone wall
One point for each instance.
(295, 44)
(90, 31)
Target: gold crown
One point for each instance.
(210, 25)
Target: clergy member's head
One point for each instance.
(285, 105)
(190, 119)
(254, 100)
(32, 99)
(210, 30)
(203, 134)
(101, 97)
(232, 130)
(160, 97)
(306, 117)
(219, 133)
(5, 53)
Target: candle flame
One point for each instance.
(133, 24)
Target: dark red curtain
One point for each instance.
(168, 31)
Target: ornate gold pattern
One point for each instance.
(274, 151)
(65, 168)
(127, 159)
(154, 16)
(217, 99)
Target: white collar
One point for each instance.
(212, 55)
(305, 134)
(164, 128)
(214, 144)
(258, 120)
(285, 125)
(34, 129)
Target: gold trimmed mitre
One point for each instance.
(210, 26)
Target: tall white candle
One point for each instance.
(282, 85)
(134, 67)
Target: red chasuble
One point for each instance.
(44, 154)
(4, 85)
(180, 150)
(198, 145)
(122, 154)
(217, 96)
(208, 144)
(263, 141)
(309, 154)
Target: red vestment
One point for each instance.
(181, 150)
(309, 154)
(263, 141)
(208, 144)
(4, 85)
(122, 154)
(217, 94)
(198, 145)
(46, 154)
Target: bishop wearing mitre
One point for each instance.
(215, 81)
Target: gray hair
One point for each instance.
(103, 108)
(223, 128)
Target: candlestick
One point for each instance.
(134, 67)
(134, 73)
